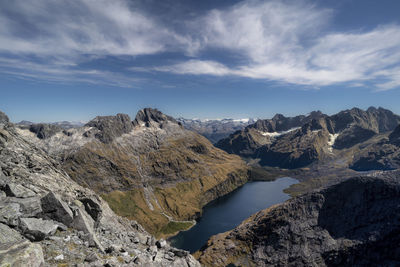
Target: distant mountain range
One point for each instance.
(295, 142)
(215, 129)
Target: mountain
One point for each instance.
(215, 130)
(353, 223)
(47, 219)
(382, 155)
(150, 169)
(299, 141)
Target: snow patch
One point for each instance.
(276, 134)
(241, 120)
(332, 138)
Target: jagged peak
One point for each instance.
(99, 121)
(278, 116)
(149, 116)
(316, 113)
(111, 127)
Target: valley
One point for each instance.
(176, 185)
(226, 212)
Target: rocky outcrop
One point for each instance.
(110, 127)
(354, 223)
(37, 229)
(17, 251)
(3, 118)
(43, 130)
(394, 137)
(149, 116)
(378, 120)
(382, 155)
(48, 219)
(56, 209)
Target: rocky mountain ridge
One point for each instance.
(165, 173)
(353, 223)
(382, 155)
(47, 219)
(300, 141)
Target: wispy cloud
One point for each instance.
(289, 43)
(59, 72)
(46, 27)
(285, 41)
(73, 32)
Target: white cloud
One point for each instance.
(58, 72)
(285, 41)
(289, 43)
(80, 27)
(197, 67)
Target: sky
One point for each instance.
(76, 59)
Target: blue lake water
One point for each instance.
(229, 211)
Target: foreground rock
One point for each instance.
(354, 223)
(15, 251)
(37, 229)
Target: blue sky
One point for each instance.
(73, 60)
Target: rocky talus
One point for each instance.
(353, 223)
(47, 219)
(150, 169)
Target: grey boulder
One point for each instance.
(17, 190)
(37, 229)
(9, 213)
(83, 222)
(9, 235)
(29, 207)
(22, 253)
(56, 209)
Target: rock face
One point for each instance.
(300, 141)
(394, 137)
(383, 155)
(43, 130)
(354, 223)
(215, 130)
(149, 116)
(151, 170)
(21, 254)
(3, 118)
(37, 229)
(56, 209)
(110, 127)
(256, 135)
(47, 219)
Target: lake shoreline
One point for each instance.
(234, 208)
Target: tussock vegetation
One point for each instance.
(170, 179)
